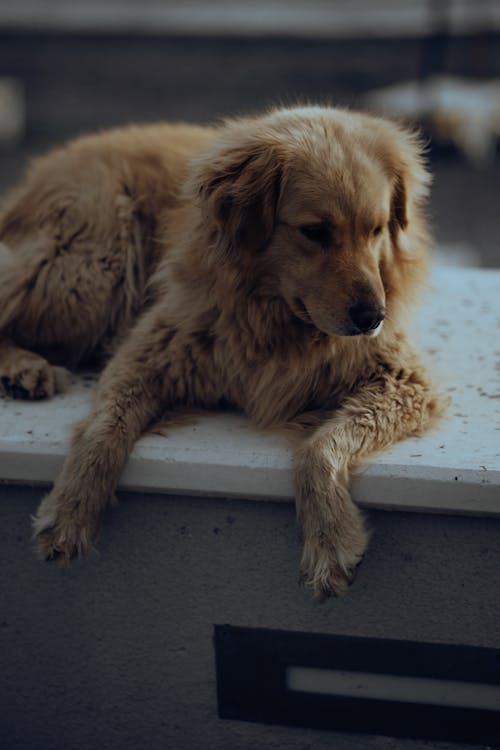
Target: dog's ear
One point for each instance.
(410, 178)
(238, 185)
(399, 208)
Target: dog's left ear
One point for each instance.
(238, 184)
(410, 178)
(399, 208)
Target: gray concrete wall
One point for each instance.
(116, 652)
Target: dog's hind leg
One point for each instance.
(71, 279)
(23, 374)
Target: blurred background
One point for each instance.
(67, 67)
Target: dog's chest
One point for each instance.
(277, 389)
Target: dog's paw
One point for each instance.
(331, 558)
(328, 570)
(62, 532)
(32, 377)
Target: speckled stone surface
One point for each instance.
(455, 468)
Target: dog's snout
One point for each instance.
(366, 316)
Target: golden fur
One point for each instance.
(248, 265)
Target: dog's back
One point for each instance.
(81, 236)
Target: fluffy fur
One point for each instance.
(251, 265)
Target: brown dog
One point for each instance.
(264, 264)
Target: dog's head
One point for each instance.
(320, 207)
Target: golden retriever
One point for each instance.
(264, 264)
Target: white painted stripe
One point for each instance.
(388, 687)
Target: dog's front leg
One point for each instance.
(139, 382)
(396, 404)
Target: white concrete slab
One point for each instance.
(454, 469)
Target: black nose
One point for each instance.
(365, 316)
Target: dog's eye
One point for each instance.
(377, 230)
(320, 233)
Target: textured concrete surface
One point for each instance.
(454, 467)
(116, 652)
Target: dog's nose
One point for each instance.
(366, 317)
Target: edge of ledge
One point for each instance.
(453, 469)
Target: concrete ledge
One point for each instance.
(454, 469)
